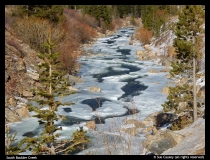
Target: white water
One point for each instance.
(107, 60)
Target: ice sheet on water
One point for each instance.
(80, 111)
(26, 125)
(110, 109)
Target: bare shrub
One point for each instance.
(91, 21)
(115, 24)
(143, 35)
(35, 31)
(68, 57)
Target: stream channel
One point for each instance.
(125, 84)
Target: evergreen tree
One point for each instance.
(53, 84)
(53, 13)
(187, 31)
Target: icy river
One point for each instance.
(125, 84)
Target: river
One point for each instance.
(125, 84)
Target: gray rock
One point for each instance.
(160, 146)
(175, 137)
(73, 80)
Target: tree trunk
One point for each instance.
(194, 93)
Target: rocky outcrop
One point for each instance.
(94, 89)
(162, 141)
(193, 142)
(19, 60)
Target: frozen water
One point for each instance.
(114, 68)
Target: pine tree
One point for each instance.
(187, 31)
(53, 84)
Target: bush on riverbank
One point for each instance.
(143, 35)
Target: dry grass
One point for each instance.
(35, 31)
(143, 35)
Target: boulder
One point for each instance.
(153, 71)
(140, 52)
(158, 147)
(158, 143)
(151, 55)
(140, 58)
(27, 93)
(175, 137)
(94, 89)
(146, 46)
(91, 125)
(23, 112)
(137, 123)
(165, 90)
(146, 122)
(72, 89)
(12, 102)
(20, 65)
(73, 80)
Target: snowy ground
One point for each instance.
(112, 66)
